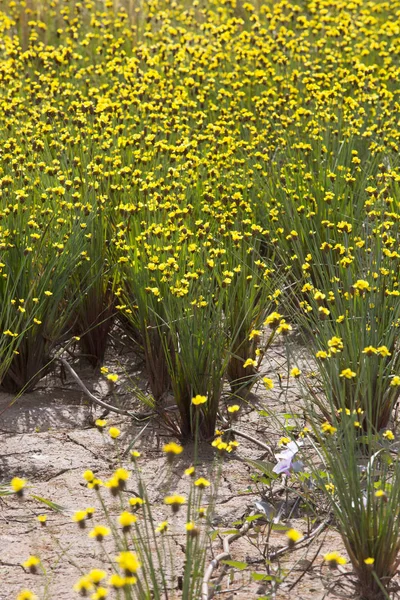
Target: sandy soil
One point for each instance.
(48, 437)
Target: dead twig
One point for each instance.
(91, 396)
(301, 541)
(206, 594)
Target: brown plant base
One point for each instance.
(26, 368)
(94, 342)
(368, 587)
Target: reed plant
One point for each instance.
(359, 474)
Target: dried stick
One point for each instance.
(254, 440)
(89, 394)
(225, 555)
(305, 538)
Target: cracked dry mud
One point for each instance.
(48, 438)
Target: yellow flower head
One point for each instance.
(126, 520)
(17, 485)
(99, 532)
(191, 529)
(172, 449)
(117, 582)
(202, 483)
(31, 564)
(175, 502)
(190, 471)
(198, 400)
(42, 519)
(97, 575)
(83, 585)
(162, 527)
(295, 372)
(26, 595)
(136, 502)
(347, 373)
(328, 428)
(114, 432)
(334, 559)
(128, 562)
(112, 377)
(100, 593)
(269, 384)
(249, 363)
(273, 320)
(293, 536)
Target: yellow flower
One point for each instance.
(99, 532)
(128, 562)
(383, 351)
(369, 350)
(295, 372)
(47, 293)
(293, 536)
(96, 575)
(197, 400)
(283, 441)
(249, 363)
(190, 471)
(100, 593)
(233, 409)
(100, 424)
(269, 384)
(175, 502)
(202, 483)
(112, 377)
(273, 320)
(172, 449)
(88, 476)
(114, 432)
(389, 435)
(26, 595)
(395, 381)
(31, 563)
(42, 519)
(284, 327)
(254, 334)
(80, 518)
(335, 344)
(192, 530)
(328, 428)
(135, 454)
(83, 585)
(162, 527)
(126, 520)
(18, 485)
(347, 373)
(334, 559)
(121, 475)
(380, 494)
(136, 502)
(369, 560)
(361, 285)
(116, 581)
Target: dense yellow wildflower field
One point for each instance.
(212, 176)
